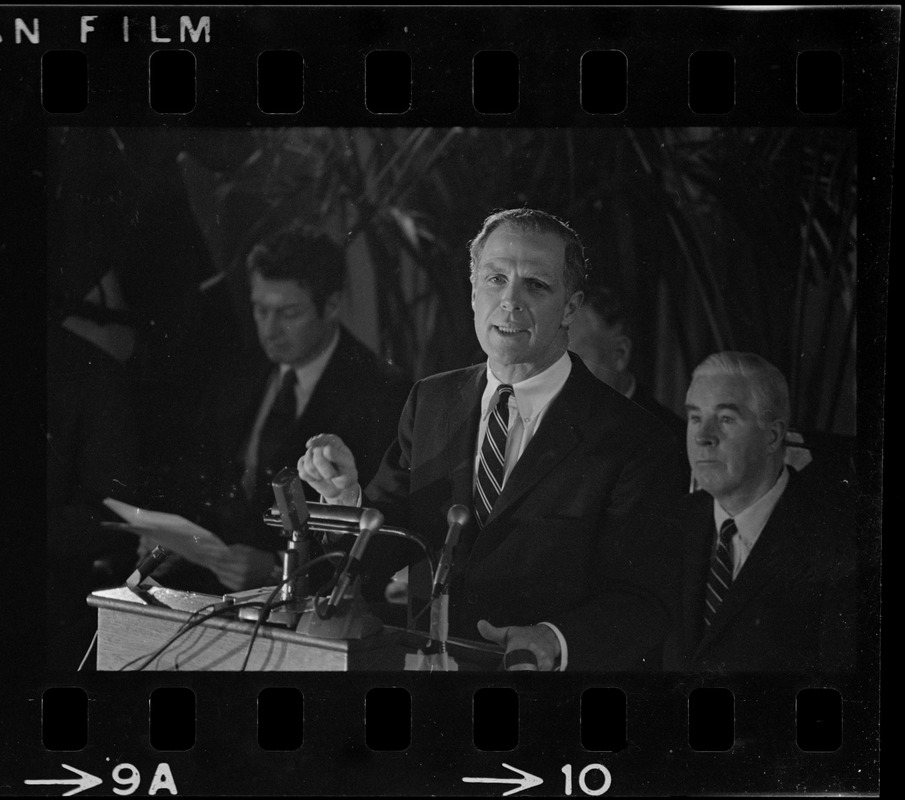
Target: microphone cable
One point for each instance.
(88, 651)
(218, 609)
(269, 602)
(223, 608)
(320, 595)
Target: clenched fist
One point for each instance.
(329, 467)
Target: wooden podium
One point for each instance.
(131, 626)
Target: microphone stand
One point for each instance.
(140, 581)
(294, 591)
(345, 615)
(439, 632)
(293, 514)
(351, 618)
(290, 500)
(456, 518)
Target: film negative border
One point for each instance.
(336, 755)
(445, 47)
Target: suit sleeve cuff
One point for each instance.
(563, 648)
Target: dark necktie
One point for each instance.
(719, 580)
(492, 463)
(280, 421)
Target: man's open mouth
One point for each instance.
(507, 330)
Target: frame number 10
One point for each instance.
(590, 771)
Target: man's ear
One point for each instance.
(777, 430)
(622, 352)
(332, 306)
(571, 308)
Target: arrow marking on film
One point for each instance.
(85, 780)
(527, 780)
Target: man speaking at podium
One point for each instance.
(564, 555)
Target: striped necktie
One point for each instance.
(492, 463)
(719, 580)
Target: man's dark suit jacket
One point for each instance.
(645, 398)
(573, 539)
(359, 398)
(792, 606)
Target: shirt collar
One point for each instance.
(533, 394)
(309, 374)
(752, 520)
(632, 386)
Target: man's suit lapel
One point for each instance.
(699, 533)
(321, 412)
(556, 437)
(238, 407)
(338, 377)
(461, 436)
(559, 433)
(769, 561)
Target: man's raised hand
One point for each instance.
(329, 467)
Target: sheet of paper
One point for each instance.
(171, 531)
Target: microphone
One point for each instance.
(457, 517)
(290, 497)
(370, 522)
(147, 565)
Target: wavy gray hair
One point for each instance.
(767, 384)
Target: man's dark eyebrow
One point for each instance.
(280, 308)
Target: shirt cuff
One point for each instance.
(563, 648)
(341, 497)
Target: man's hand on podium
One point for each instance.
(243, 567)
(329, 467)
(539, 639)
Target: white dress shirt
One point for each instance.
(527, 407)
(750, 522)
(632, 385)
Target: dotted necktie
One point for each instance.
(719, 580)
(492, 463)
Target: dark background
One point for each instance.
(717, 238)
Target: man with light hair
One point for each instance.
(768, 578)
(563, 556)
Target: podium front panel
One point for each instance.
(133, 627)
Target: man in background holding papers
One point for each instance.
(309, 374)
(564, 555)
